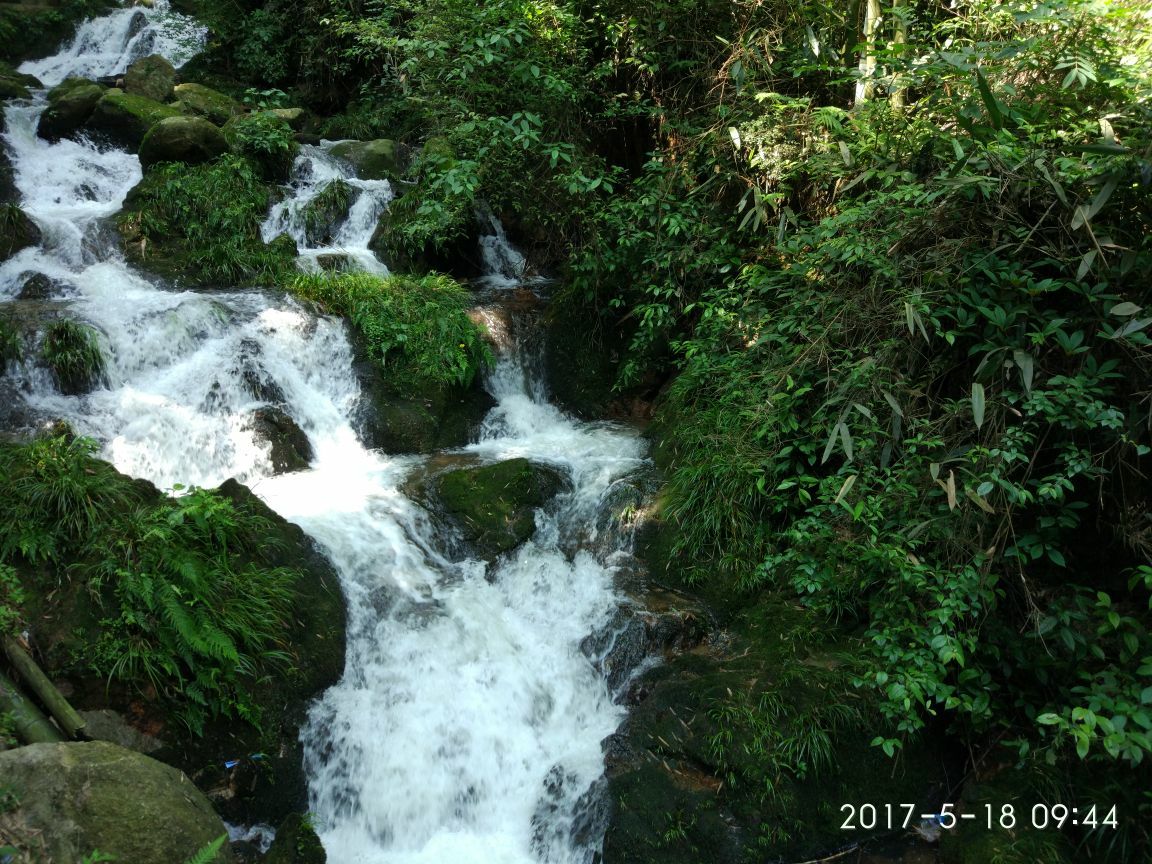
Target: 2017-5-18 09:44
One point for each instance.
(869, 817)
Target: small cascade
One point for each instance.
(504, 265)
(330, 213)
(110, 44)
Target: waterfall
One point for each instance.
(348, 230)
(468, 723)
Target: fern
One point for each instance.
(209, 853)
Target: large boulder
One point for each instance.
(191, 140)
(380, 159)
(494, 506)
(152, 77)
(75, 798)
(17, 231)
(124, 118)
(70, 104)
(201, 101)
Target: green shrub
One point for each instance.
(12, 599)
(208, 217)
(418, 329)
(265, 139)
(189, 603)
(72, 351)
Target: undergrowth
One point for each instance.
(208, 217)
(417, 329)
(187, 604)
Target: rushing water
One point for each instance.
(468, 723)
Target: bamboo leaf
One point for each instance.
(846, 440)
(845, 488)
(995, 112)
(891, 400)
(979, 502)
(1026, 366)
(978, 404)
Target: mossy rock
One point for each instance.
(16, 85)
(124, 118)
(201, 101)
(70, 104)
(711, 734)
(271, 785)
(296, 118)
(324, 213)
(151, 77)
(17, 231)
(581, 357)
(191, 140)
(494, 505)
(296, 843)
(442, 416)
(381, 159)
(74, 798)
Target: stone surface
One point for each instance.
(289, 446)
(192, 140)
(75, 798)
(124, 118)
(107, 725)
(294, 117)
(380, 159)
(205, 102)
(151, 77)
(70, 104)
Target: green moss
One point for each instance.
(125, 118)
(72, 351)
(17, 231)
(16, 85)
(206, 102)
(496, 504)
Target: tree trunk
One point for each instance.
(866, 85)
(899, 40)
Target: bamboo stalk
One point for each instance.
(64, 714)
(31, 724)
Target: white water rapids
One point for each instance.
(467, 726)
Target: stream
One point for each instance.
(468, 723)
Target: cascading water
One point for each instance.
(468, 723)
(321, 230)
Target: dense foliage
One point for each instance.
(892, 260)
(417, 329)
(206, 219)
(184, 602)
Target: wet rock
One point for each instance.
(205, 102)
(70, 104)
(192, 140)
(324, 213)
(16, 85)
(37, 287)
(74, 798)
(17, 231)
(334, 262)
(494, 505)
(381, 159)
(296, 843)
(125, 118)
(108, 725)
(151, 77)
(290, 448)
